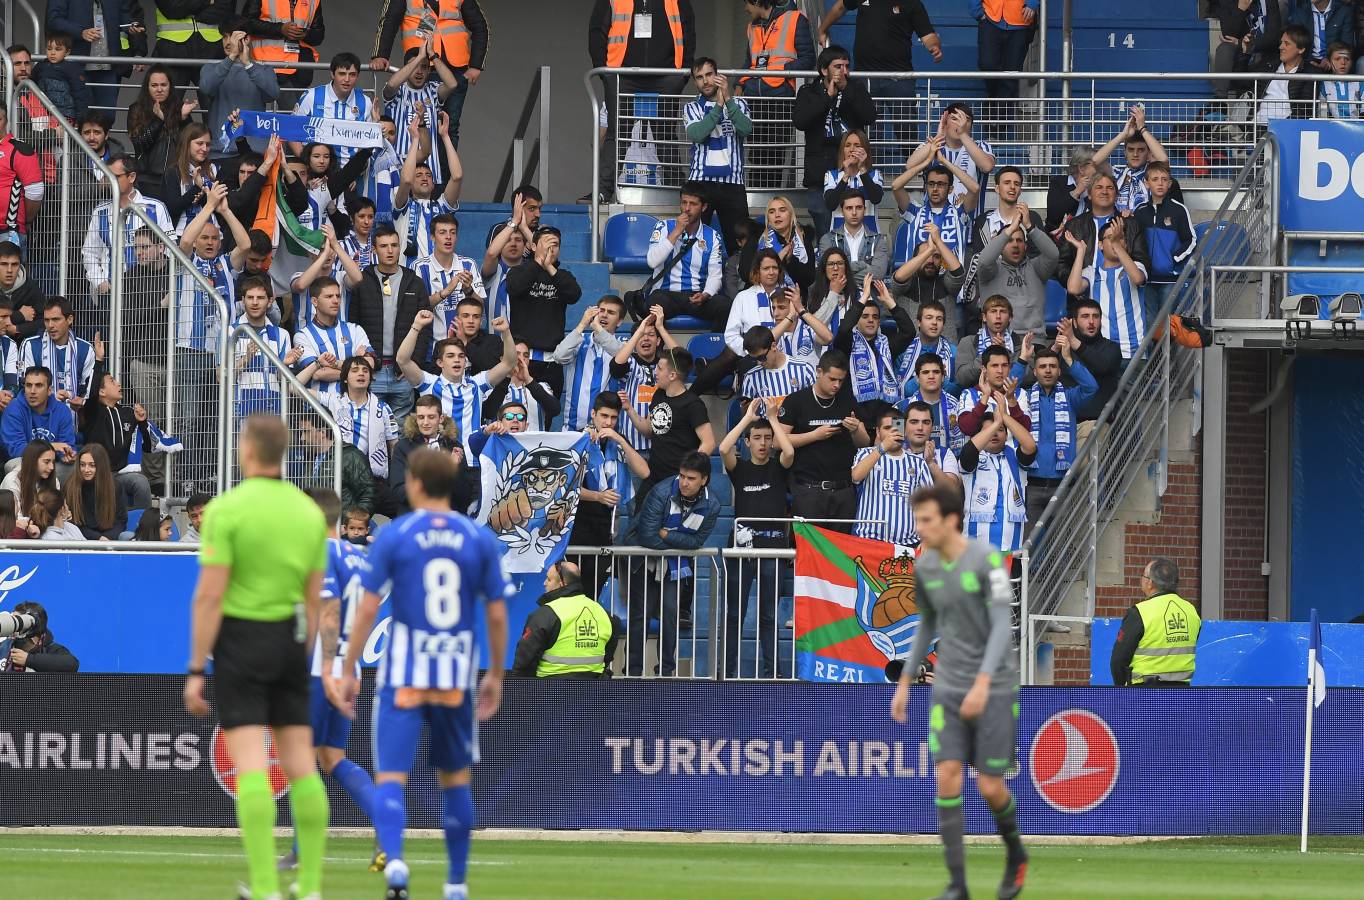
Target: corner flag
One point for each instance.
(1316, 673)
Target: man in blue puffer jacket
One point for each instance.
(39, 416)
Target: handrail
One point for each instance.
(512, 167)
(292, 381)
(37, 545)
(34, 18)
(11, 92)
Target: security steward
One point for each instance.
(569, 635)
(1159, 635)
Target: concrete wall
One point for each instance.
(527, 34)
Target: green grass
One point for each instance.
(93, 867)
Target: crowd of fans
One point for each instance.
(858, 376)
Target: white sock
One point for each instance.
(395, 873)
(456, 892)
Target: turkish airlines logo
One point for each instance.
(225, 771)
(1074, 761)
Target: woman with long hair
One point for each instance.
(854, 172)
(96, 503)
(37, 471)
(154, 122)
(323, 180)
(52, 518)
(185, 185)
(795, 244)
(833, 290)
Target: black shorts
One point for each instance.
(260, 674)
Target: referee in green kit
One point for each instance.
(256, 607)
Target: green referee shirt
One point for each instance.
(273, 537)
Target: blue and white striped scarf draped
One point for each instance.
(1063, 419)
(682, 518)
(984, 340)
(873, 375)
(161, 443)
(904, 370)
(67, 376)
(772, 241)
(953, 226)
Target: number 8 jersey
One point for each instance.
(435, 565)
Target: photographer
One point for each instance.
(33, 649)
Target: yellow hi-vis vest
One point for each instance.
(177, 31)
(584, 629)
(1168, 641)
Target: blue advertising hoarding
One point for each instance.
(1321, 174)
(689, 755)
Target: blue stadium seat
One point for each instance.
(626, 242)
(870, 222)
(688, 323)
(1226, 243)
(134, 516)
(1055, 307)
(707, 346)
(735, 413)
(903, 249)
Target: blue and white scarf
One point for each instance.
(904, 368)
(984, 339)
(313, 129)
(682, 517)
(873, 375)
(1061, 418)
(772, 241)
(161, 443)
(986, 485)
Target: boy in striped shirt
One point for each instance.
(258, 387)
(587, 360)
(776, 375)
(506, 249)
(449, 277)
(942, 406)
(415, 202)
(635, 363)
(411, 89)
(995, 479)
(1114, 281)
(338, 99)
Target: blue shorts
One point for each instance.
(330, 727)
(454, 734)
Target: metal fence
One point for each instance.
(1131, 438)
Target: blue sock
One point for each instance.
(457, 818)
(389, 813)
(357, 783)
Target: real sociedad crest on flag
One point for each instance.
(530, 494)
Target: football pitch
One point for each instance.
(95, 867)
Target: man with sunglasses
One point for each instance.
(540, 291)
(512, 418)
(569, 635)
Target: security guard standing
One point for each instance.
(193, 30)
(779, 38)
(569, 635)
(1159, 635)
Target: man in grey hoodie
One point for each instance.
(236, 82)
(1008, 269)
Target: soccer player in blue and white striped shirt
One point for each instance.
(716, 123)
(886, 476)
(327, 340)
(689, 285)
(411, 89)
(1114, 282)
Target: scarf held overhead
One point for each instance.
(304, 130)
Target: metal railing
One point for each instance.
(1132, 434)
(1209, 139)
(516, 170)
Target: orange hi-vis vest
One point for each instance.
(286, 12)
(451, 34)
(1010, 11)
(773, 46)
(622, 26)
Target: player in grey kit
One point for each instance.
(964, 596)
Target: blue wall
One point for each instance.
(1328, 486)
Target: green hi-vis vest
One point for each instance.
(177, 31)
(584, 629)
(1166, 650)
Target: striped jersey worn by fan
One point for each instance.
(1120, 303)
(883, 509)
(701, 267)
(961, 158)
(438, 278)
(343, 340)
(196, 315)
(413, 222)
(99, 242)
(370, 426)
(720, 157)
(639, 390)
(535, 415)
(498, 303)
(343, 582)
(790, 377)
(321, 101)
(439, 565)
(587, 372)
(403, 107)
(462, 401)
(258, 386)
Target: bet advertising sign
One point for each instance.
(1321, 174)
(783, 756)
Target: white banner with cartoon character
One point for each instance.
(530, 494)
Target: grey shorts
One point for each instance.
(988, 742)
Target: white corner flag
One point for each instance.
(1316, 696)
